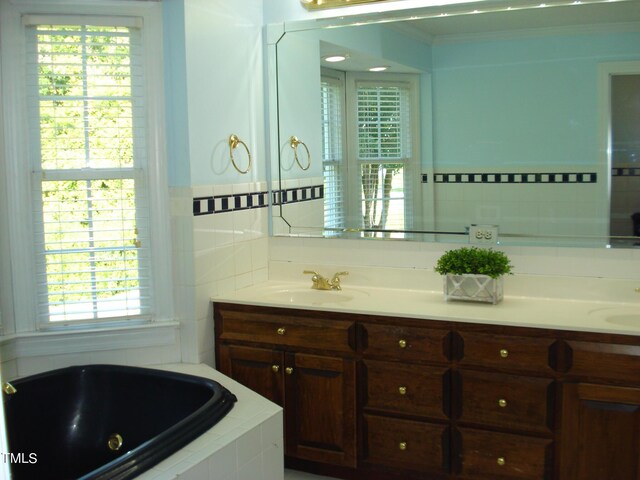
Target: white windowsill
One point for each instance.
(34, 344)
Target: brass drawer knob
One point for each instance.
(281, 331)
(402, 343)
(288, 370)
(402, 390)
(502, 403)
(501, 461)
(402, 446)
(275, 368)
(504, 353)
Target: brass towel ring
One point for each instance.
(233, 143)
(294, 144)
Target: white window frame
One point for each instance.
(413, 203)
(17, 149)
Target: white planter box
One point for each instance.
(473, 288)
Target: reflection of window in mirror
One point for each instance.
(625, 154)
(373, 186)
(332, 88)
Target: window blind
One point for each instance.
(384, 152)
(332, 112)
(384, 116)
(90, 194)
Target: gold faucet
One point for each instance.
(8, 388)
(322, 283)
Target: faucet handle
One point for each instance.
(316, 277)
(335, 281)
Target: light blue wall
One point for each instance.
(522, 102)
(175, 81)
(214, 88)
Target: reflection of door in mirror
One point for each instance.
(625, 154)
(369, 151)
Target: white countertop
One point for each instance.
(540, 312)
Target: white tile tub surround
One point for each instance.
(247, 444)
(229, 250)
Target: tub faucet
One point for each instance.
(8, 388)
(322, 283)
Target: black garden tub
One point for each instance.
(106, 421)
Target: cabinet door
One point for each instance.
(259, 369)
(600, 437)
(320, 409)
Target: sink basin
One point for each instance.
(627, 316)
(309, 296)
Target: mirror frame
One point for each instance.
(324, 4)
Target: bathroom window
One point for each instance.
(91, 220)
(90, 152)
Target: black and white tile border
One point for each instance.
(245, 201)
(625, 172)
(511, 178)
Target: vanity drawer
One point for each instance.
(492, 456)
(406, 444)
(282, 330)
(506, 352)
(506, 401)
(405, 343)
(606, 361)
(406, 389)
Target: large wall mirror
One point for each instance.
(493, 116)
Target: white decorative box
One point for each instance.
(473, 288)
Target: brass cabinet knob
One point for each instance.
(402, 390)
(501, 461)
(502, 403)
(402, 446)
(504, 353)
(288, 370)
(402, 343)
(281, 331)
(275, 368)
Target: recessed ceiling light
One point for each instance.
(378, 69)
(335, 58)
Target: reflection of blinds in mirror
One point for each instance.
(332, 111)
(383, 121)
(384, 136)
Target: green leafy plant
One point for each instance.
(474, 260)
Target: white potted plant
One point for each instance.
(474, 274)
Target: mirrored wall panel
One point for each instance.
(518, 123)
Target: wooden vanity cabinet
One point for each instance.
(405, 401)
(504, 391)
(304, 365)
(600, 428)
(387, 398)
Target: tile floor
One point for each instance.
(296, 475)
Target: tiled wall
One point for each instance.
(298, 203)
(540, 202)
(417, 259)
(218, 246)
